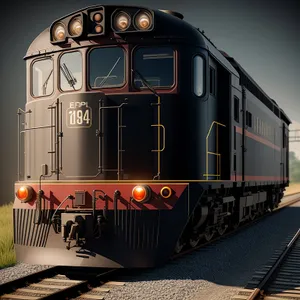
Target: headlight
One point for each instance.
(25, 193)
(122, 21)
(75, 26)
(59, 32)
(141, 193)
(143, 20)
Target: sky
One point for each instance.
(263, 36)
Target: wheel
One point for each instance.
(260, 211)
(236, 225)
(179, 246)
(221, 229)
(252, 214)
(209, 233)
(194, 240)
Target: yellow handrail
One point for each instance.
(159, 148)
(217, 154)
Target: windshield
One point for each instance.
(71, 71)
(107, 67)
(42, 77)
(156, 65)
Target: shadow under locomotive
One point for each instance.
(231, 262)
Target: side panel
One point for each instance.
(237, 133)
(263, 142)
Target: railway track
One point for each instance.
(241, 227)
(54, 284)
(278, 280)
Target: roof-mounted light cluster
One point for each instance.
(80, 25)
(73, 27)
(96, 19)
(130, 21)
(91, 22)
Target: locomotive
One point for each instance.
(139, 138)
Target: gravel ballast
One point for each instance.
(19, 270)
(218, 271)
(215, 272)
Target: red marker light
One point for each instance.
(24, 193)
(141, 193)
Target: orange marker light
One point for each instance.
(24, 193)
(97, 17)
(98, 29)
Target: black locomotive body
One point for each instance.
(140, 137)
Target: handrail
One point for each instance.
(164, 137)
(159, 125)
(19, 113)
(120, 128)
(217, 154)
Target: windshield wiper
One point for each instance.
(145, 82)
(46, 83)
(69, 76)
(108, 74)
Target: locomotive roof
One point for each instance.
(168, 26)
(254, 88)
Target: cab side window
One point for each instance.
(198, 66)
(42, 78)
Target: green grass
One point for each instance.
(7, 253)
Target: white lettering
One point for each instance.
(79, 104)
(79, 116)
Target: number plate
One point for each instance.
(79, 116)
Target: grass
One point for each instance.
(7, 253)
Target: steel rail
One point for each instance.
(70, 288)
(266, 280)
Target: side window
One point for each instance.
(198, 75)
(42, 78)
(248, 119)
(70, 71)
(212, 84)
(234, 138)
(284, 137)
(236, 109)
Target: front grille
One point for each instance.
(26, 232)
(139, 228)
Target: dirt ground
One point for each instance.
(293, 188)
